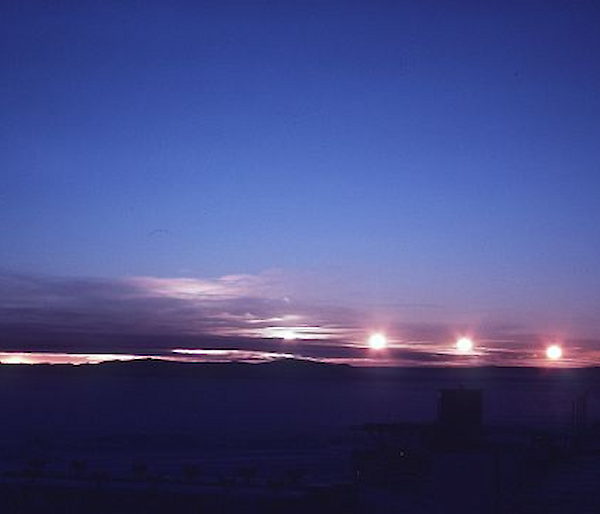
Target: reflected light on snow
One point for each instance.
(62, 358)
(210, 355)
(180, 354)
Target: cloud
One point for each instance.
(236, 311)
(224, 288)
(258, 315)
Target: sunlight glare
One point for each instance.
(378, 341)
(464, 345)
(288, 335)
(554, 352)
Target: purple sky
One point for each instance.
(224, 175)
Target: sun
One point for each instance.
(464, 344)
(554, 352)
(378, 341)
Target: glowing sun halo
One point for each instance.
(378, 341)
(464, 345)
(554, 352)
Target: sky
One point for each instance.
(284, 178)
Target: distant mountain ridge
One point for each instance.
(293, 369)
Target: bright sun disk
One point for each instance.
(377, 341)
(554, 352)
(464, 345)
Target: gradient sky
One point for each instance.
(229, 171)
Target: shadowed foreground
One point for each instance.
(158, 437)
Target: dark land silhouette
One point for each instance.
(297, 436)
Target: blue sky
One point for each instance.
(416, 162)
